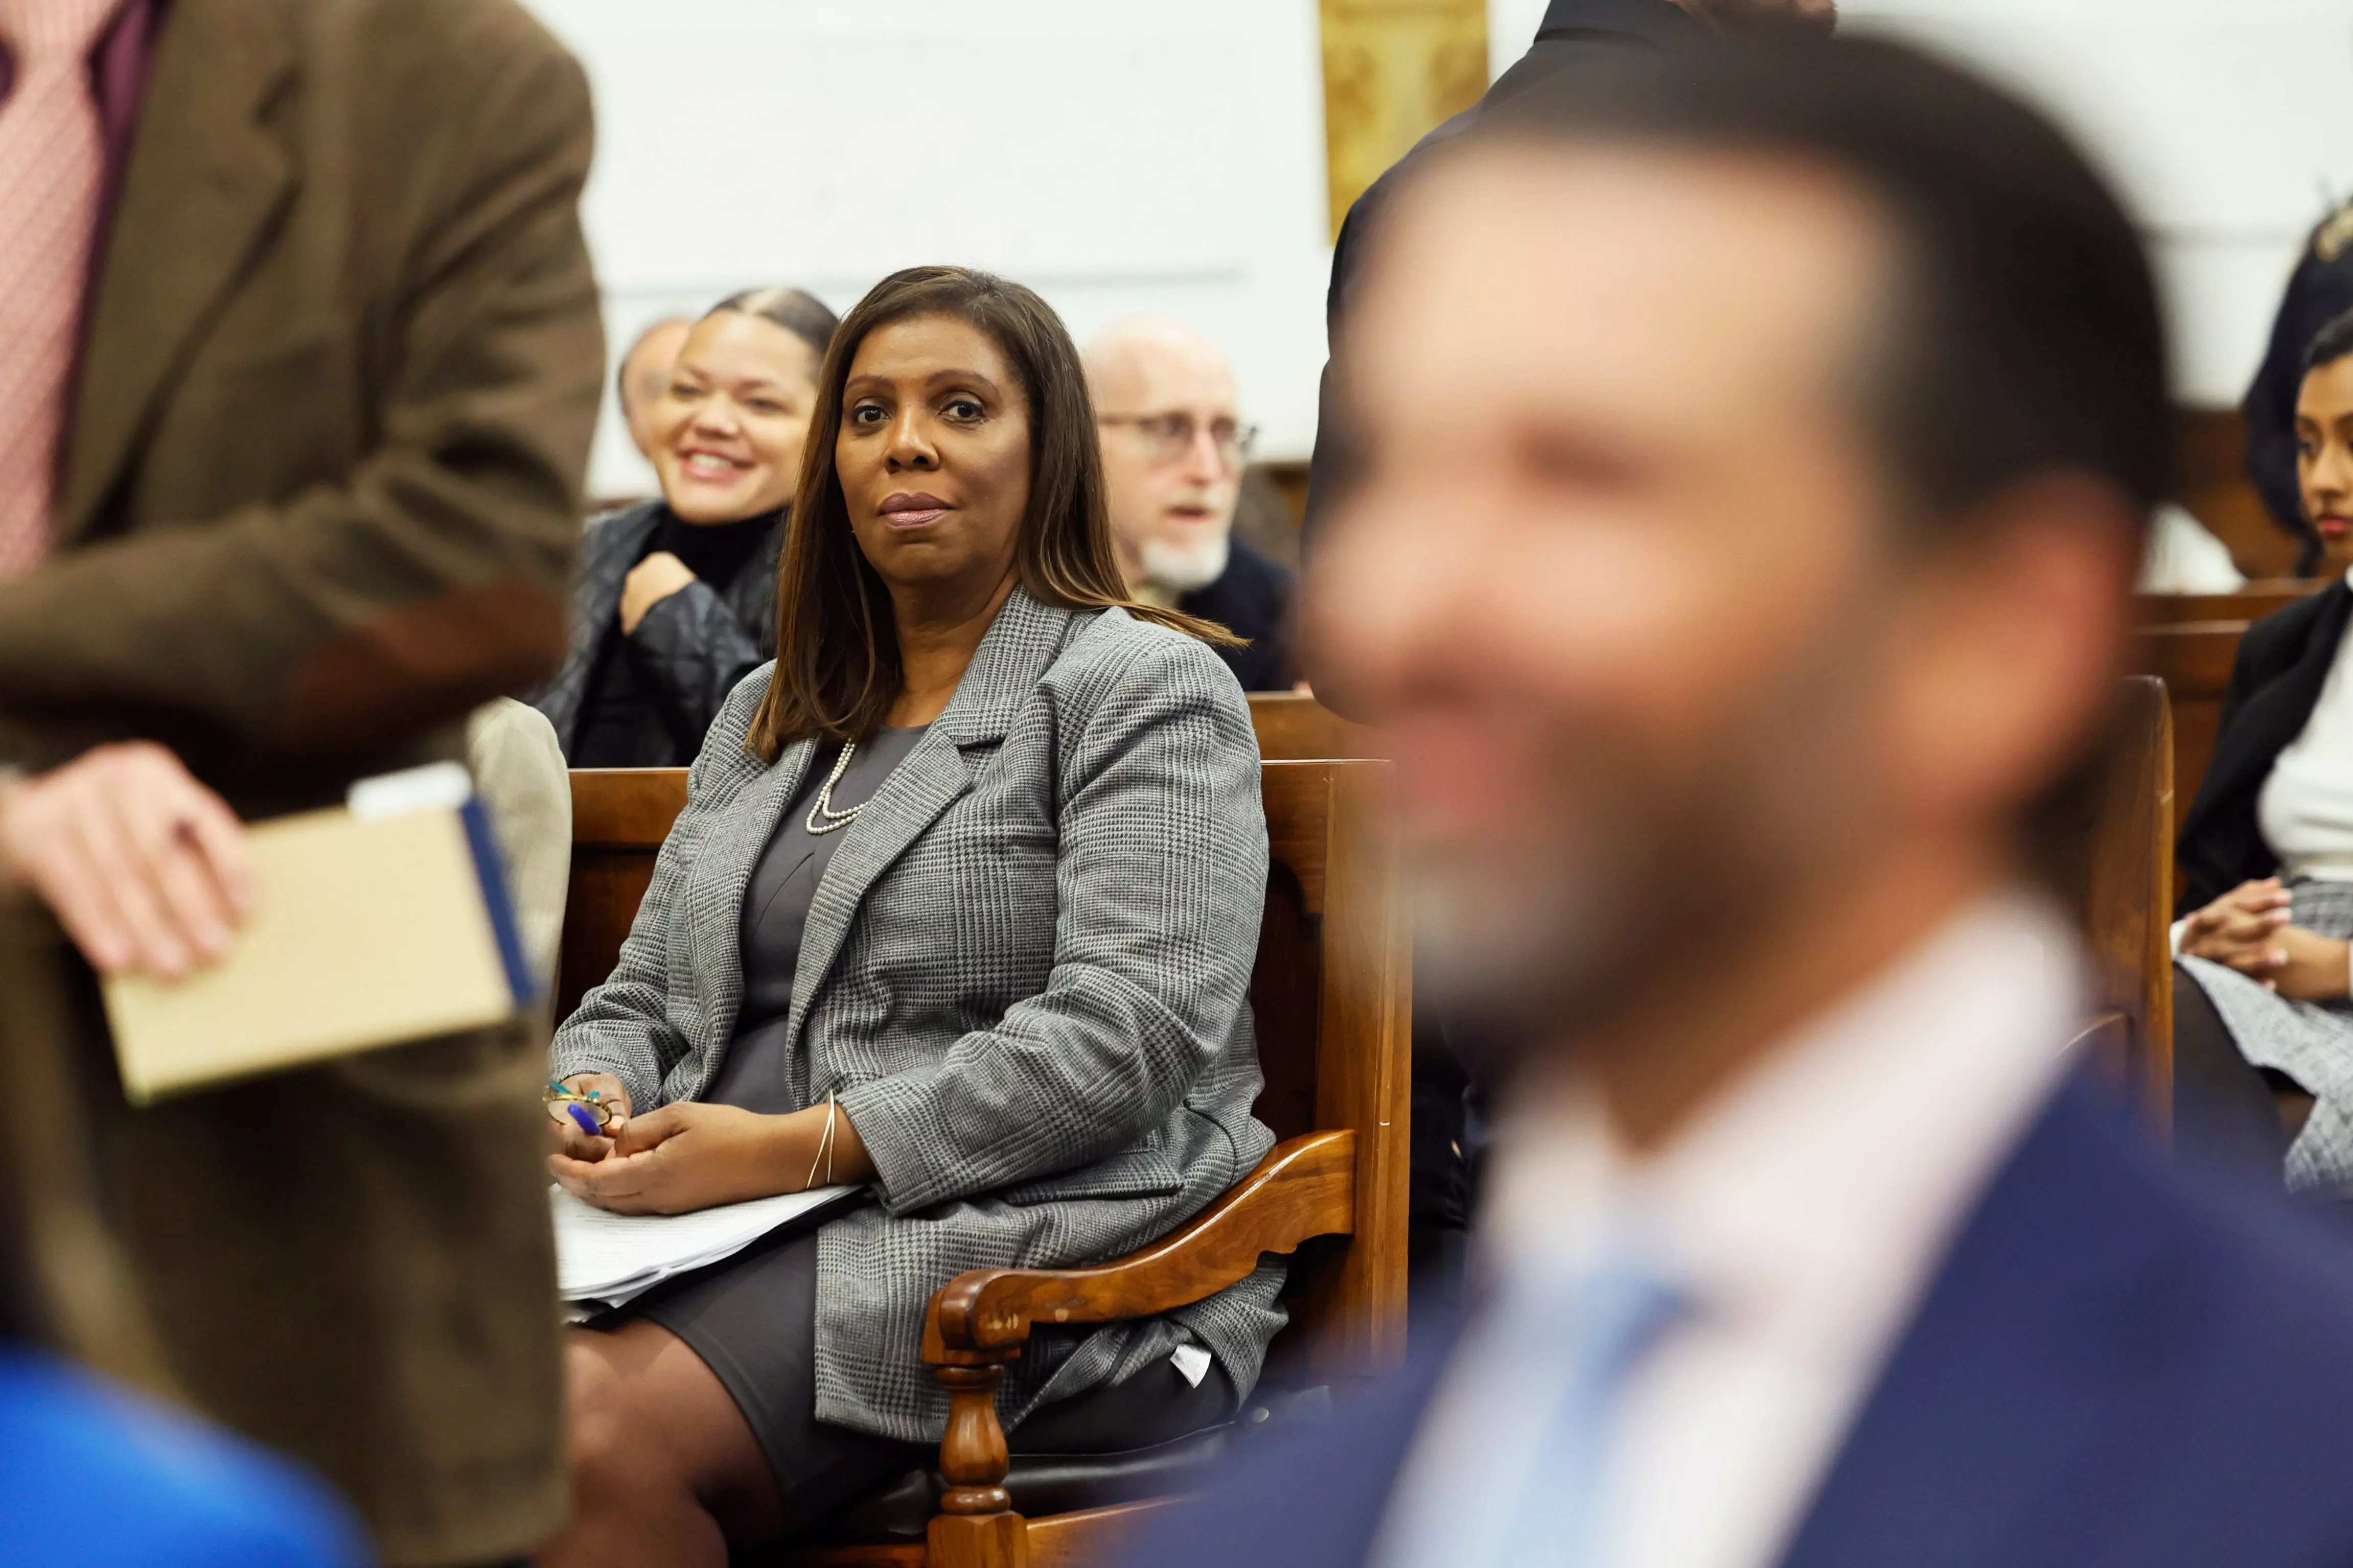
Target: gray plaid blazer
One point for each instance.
(1025, 974)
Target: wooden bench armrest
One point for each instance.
(1305, 1187)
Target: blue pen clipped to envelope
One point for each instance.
(381, 921)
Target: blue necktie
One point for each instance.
(1601, 1330)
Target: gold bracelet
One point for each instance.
(824, 1147)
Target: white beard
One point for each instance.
(1181, 568)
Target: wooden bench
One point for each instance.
(1332, 995)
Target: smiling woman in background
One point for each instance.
(676, 600)
(962, 905)
(2266, 852)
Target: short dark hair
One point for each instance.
(837, 672)
(2331, 343)
(799, 312)
(2026, 334)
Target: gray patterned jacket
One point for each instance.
(1025, 974)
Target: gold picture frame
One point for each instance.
(1393, 71)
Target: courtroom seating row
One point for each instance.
(1332, 992)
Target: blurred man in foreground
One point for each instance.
(1727, 635)
(645, 375)
(302, 361)
(1174, 445)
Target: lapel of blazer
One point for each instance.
(1980, 1447)
(2275, 714)
(1025, 640)
(204, 182)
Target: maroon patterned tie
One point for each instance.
(52, 161)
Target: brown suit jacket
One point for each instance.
(320, 499)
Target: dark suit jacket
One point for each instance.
(1574, 34)
(2283, 662)
(1251, 598)
(320, 499)
(2117, 1364)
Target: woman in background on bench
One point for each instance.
(675, 602)
(1013, 1002)
(2266, 852)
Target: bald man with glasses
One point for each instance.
(1173, 446)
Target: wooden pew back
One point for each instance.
(2194, 662)
(2114, 861)
(620, 818)
(2211, 482)
(2125, 897)
(1293, 727)
(1331, 993)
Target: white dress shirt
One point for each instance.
(2306, 810)
(1802, 1215)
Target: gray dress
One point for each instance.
(2310, 1042)
(751, 1318)
(776, 911)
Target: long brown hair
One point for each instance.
(838, 668)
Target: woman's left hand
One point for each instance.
(2312, 967)
(687, 1156)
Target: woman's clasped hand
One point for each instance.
(2250, 929)
(691, 1154)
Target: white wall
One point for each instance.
(2228, 122)
(1122, 156)
(1119, 157)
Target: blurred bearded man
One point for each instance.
(1731, 636)
(1174, 445)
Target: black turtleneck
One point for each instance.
(714, 552)
(620, 725)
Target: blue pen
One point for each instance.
(587, 1119)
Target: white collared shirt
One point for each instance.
(2306, 808)
(1802, 1215)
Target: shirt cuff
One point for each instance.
(2174, 938)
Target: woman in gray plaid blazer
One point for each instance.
(962, 905)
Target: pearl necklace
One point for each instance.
(822, 818)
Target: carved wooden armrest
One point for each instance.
(1305, 1187)
(979, 1320)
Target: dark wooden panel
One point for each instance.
(2212, 484)
(2252, 602)
(1286, 997)
(2194, 662)
(2128, 913)
(626, 808)
(1288, 480)
(1293, 727)
(620, 818)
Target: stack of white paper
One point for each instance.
(613, 1259)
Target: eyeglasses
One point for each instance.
(1171, 435)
